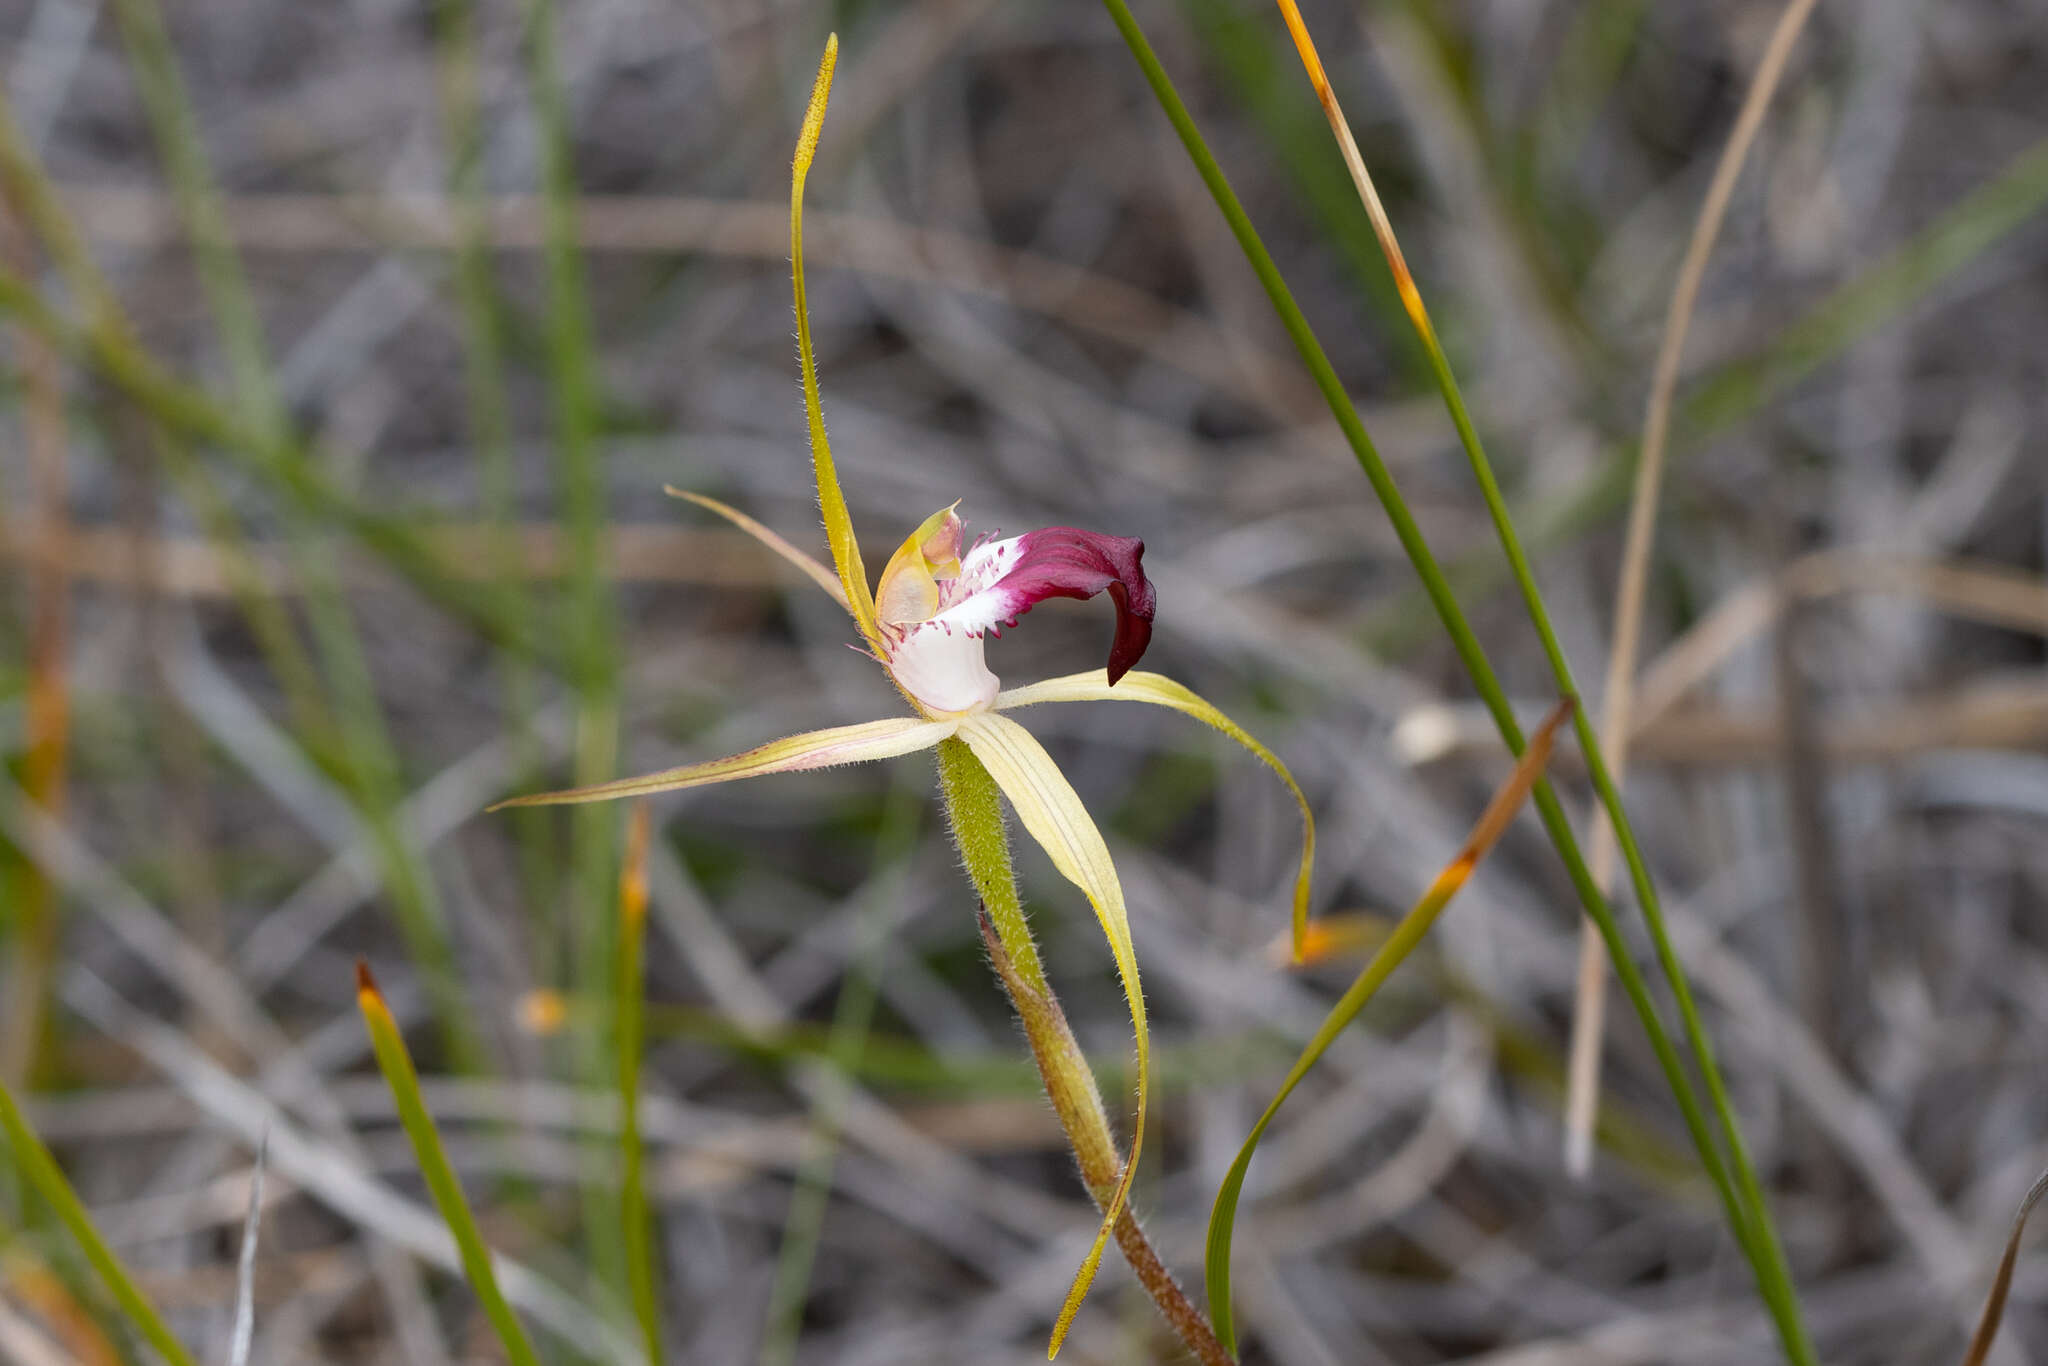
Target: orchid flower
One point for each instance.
(926, 622)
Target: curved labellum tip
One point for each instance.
(1063, 561)
(936, 621)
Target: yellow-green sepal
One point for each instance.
(853, 575)
(1052, 812)
(883, 739)
(1161, 691)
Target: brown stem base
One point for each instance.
(1087, 1129)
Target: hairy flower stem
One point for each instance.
(974, 811)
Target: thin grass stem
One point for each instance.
(1471, 654)
(40, 1170)
(594, 664)
(1766, 1255)
(34, 923)
(1589, 1005)
(490, 424)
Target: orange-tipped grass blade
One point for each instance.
(853, 575)
(640, 1271)
(1399, 943)
(1361, 179)
(1339, 934)
(396, 1063)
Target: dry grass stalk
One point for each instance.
(1589, 1010)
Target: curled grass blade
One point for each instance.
(1051, 811)
(2001, 1284)
(1750, 1214)
(1161, 691)
(396, 1064)
(40, 1170)
(853, 575)
(1396, 947)
(884, 739)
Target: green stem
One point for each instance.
(974, 811)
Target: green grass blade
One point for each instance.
(1731, 392)
(1392, 951)
(364, 758)
(154, 67)
(396, 1064)
(40, 1170)
(1258, 76)
(284, 464)
(1774, 1279)
(594, 664)
(1444, 600)
(478, 304)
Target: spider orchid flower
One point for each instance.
(926, 622)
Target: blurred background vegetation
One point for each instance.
(348, 349)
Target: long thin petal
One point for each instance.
(884, 739)
(853, 575)
(818, 573)
(1048, 807)
(1161, 691)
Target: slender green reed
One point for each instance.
(592, 632)
(1776, 1291)
(490, 429)
(1773, 1275)
(42, 1174)
(362, 754)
